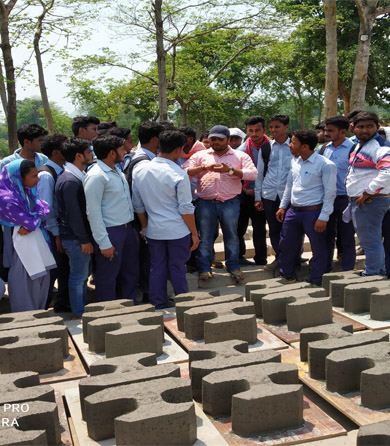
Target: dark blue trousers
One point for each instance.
(274, 226)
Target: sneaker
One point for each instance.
(245, 262)
(314, 285)
(288, 280)
(272, 266)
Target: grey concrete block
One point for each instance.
(144, 414)
(357, 296)
(195, 296)
(336, 289)
(380, 305)
(39, 349)
(260, 399)
(216, 323)
(319, 350)
(326, 278)
(366, 368)
(127, 369)
(376, 434)
(335, 330)
(309, 307)
(13, 437)
(127, 334)
(26, 319)
(111, 308)
(222, 356)
(202, 301)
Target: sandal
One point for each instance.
(206, 275)
(217, 264)
(237, 275)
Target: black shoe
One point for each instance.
(245, 262)
(62, 308)
(272, 266)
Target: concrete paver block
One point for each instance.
(111, 308)
(357, 296)
(26, 319)
(127, 334)
(300, 308)
(127, 369)
(181, 307)
(376, 434)
(39, 349)
(336, 288)
(196, 295)
(216, 323)
(144, 414)
(270, 284)
(365, 368)
(319, 350)
(209, 358)
(20, 438)
(380, 305)
(328, 277)
(335, 330)
(259, 398)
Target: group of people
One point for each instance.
(132, 217)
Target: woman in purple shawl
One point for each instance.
(19, 206)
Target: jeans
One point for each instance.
(79, 264)
(367, 221)
(208, 213)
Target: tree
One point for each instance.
(331, 81)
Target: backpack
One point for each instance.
(323, 147)
(129, 170)
(51, 170)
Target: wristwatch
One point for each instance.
(231, 171)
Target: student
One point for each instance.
(163, 202)
(237, 137)
(311, 190)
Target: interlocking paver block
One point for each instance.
(377, 434)
(209, 358)
(39, 349)
(337, 287)
(143, 414)
(319, 350)
(111, 308)
(259, 398)
(127, 334)
(366, 368)
(320, 333)
(328, 277)
(181, 307)
(20, 438)
(380, 305)
(26, 319)
(357, 297)
(254, 290)
(196, 295)
(216, 323)
(38, 415)
(300, 308)
(124, 370)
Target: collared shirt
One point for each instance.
(126, 161)
(369, 169)
(255, 153)
(311, 182)
(142, 152)
(272, 185)
(162, 189)
(75, 171)
(108, 201)
(340, 156)
(221, 186)
(45, 189)
(39, 159)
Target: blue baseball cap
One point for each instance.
(219, 131)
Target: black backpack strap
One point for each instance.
(50, 169)
(266, 153)
(352, 148)
(322, 149)
(129, 170)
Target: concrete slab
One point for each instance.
(26, 319)
(363, 319)
(141, 414)
(376, 434)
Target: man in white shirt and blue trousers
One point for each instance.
(311, 190)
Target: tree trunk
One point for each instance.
(9, 74)
(161, 66)
(183, 114)
(331, 81)
(3, 92)
(41, 76)
(345, 97)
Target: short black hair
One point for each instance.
(171, 140)
(366, 116)
(353, 113)
(189, 132)
(204, 136)
(53, 142)
(106, 125)
(307, 137)
(252, 120)
(149, 129)
(320, 126)
(283, 119)
(25, 167)
(73, 146)
(340, 122)
(103, 144)
(30, 132)
(82, 122)
(122, 132)
(168, 125)
(382, 132)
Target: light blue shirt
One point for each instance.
(142, 152)
(162, 190)
(39, 159)
(311, 182)
(108, 201)
(45, 189)
(340, 156)
(272, 185)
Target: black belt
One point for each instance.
(307, 208)
(126, 225)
